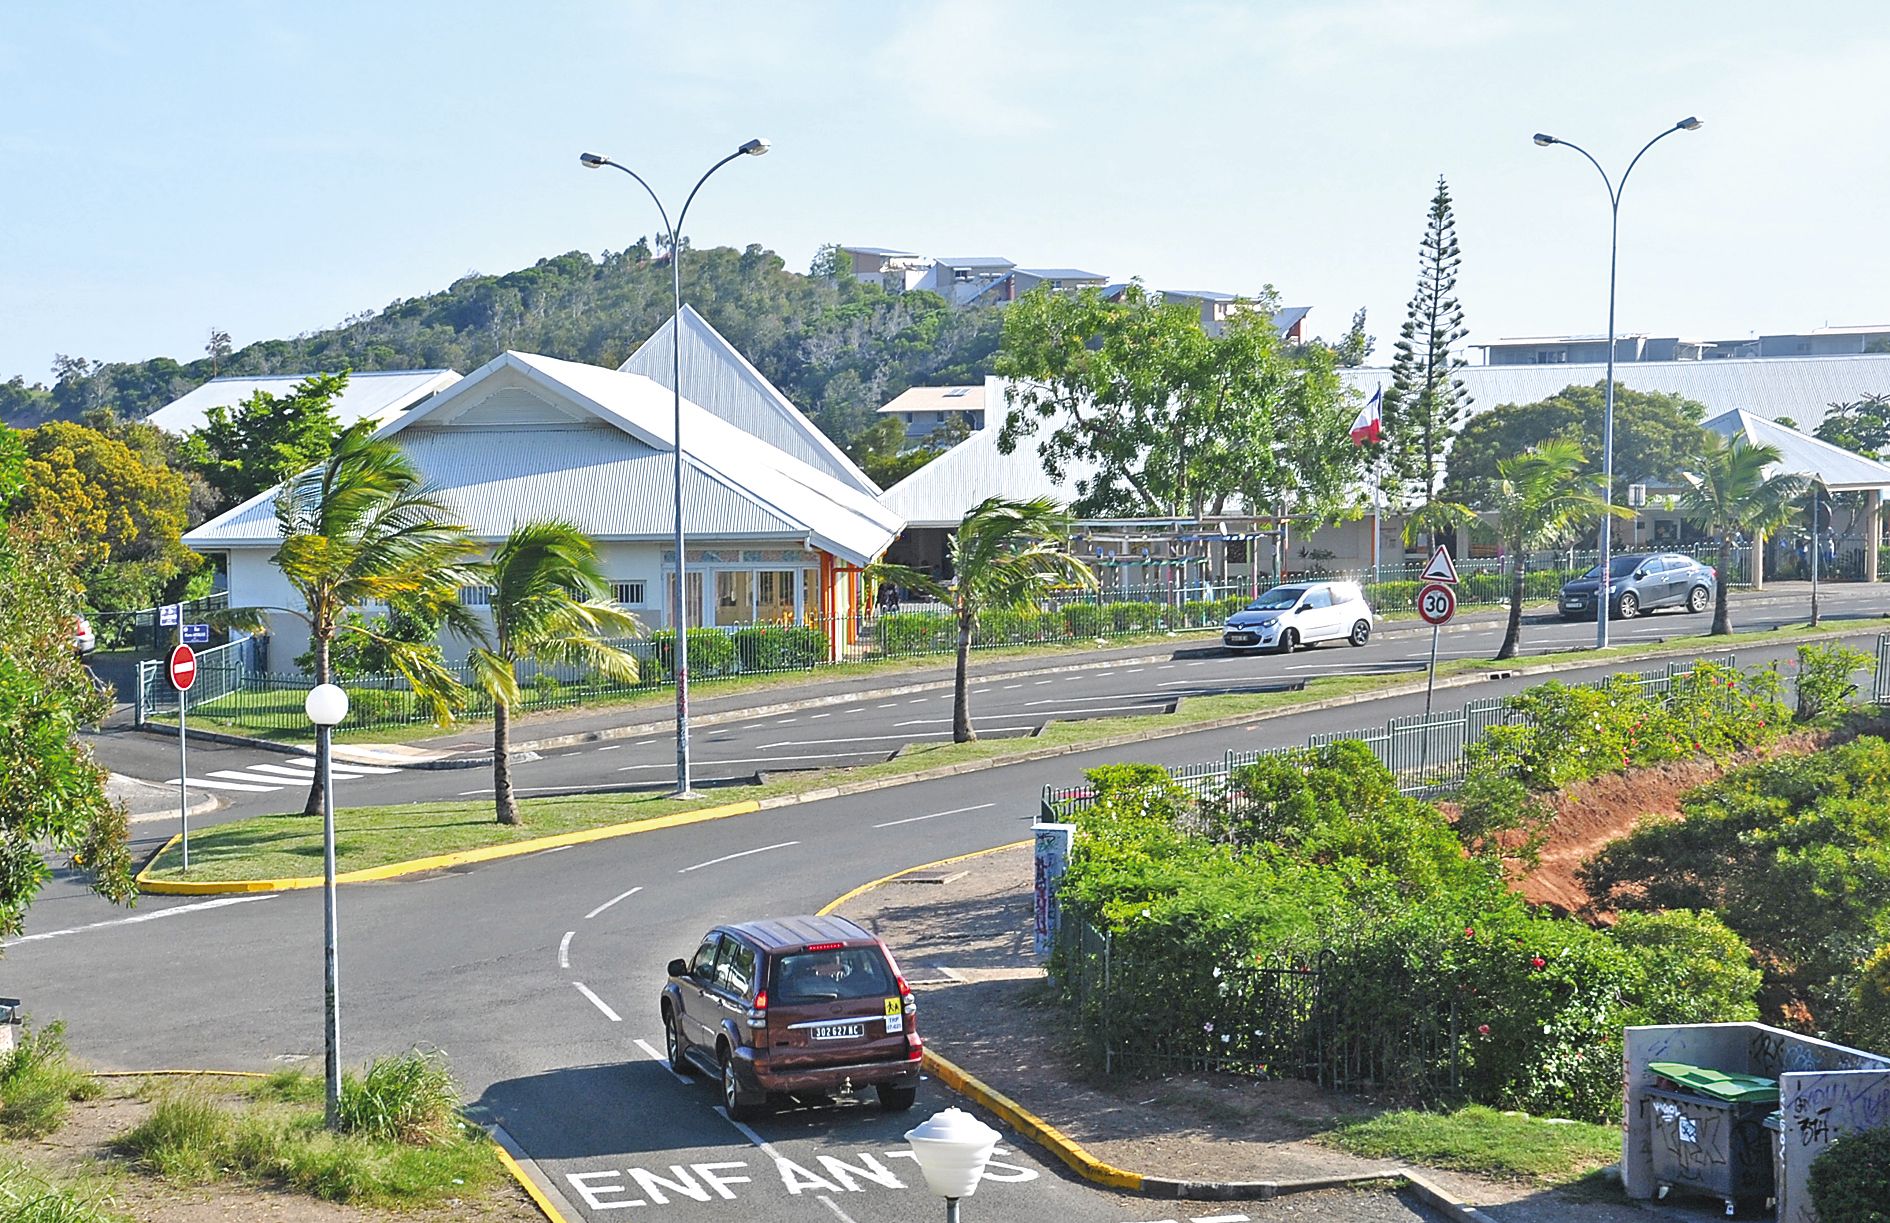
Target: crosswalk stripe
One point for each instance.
(307, 764)
(239, 775)
(280, 771)
(207, 784)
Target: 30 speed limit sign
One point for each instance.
(1436, 603)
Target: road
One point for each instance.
(539, 975)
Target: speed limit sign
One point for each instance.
(1436, 603)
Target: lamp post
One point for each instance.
(678, 606)
(952, 1149)
(327, 705)
(1688, 124)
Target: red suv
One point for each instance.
(798, 1006)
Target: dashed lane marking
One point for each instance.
(597, 1002)
(613, 900)
(564, 949)
(154, 915)
(659, 1059)
(913, 819)
(610, 747)
(731, 857)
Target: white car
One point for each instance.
(1300, 613)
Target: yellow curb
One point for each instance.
(1032, 1126)
(530, 1186)
(415, 866)
(166, 1074)
(864, 888)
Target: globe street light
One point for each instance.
(327, 705)
(679, 621)
(952, 1149)
(1688, 124)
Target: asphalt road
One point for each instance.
(539, 975)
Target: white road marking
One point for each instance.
(223, 785)
(1008, 687)
(834, 1206)
(1167, 666)
(760, 1144)
(818, 716)
(1219, 1219)
(344, 764)
(786, 721)
(913, 819)
(281, 770)
(731, 857)
(141, 917)
(910, 737)
(918, 700)
(239, 775)
(597, 1002)
(1040, 683)
(631, 768)
(613, 900)
(548, 789)
(610, 748)
(1135, 671)
(660, 1059)
(643, 743)
(564, 949)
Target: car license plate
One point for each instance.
(840, 1031)
(1240, 638)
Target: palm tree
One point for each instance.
(549, 604)
(362, 528)
(1540, 498)
(1729, 492)
(1004, 553)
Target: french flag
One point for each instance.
(1369, 425)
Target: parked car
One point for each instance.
(1641, 582)
(1303, 613)
(84, 640)
(801, 1007)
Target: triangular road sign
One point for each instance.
(1440, 569)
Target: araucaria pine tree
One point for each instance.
(1426, 400)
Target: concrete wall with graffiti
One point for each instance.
(1825, 1091)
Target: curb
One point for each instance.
(394, 870)
(1075, 1157)
(512, 1158)
(414, 866)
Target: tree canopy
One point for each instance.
(1655, 435)
(267, 438)
(1861, 425)
(1426, 400)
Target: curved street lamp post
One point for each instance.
(679, 618)
(1603, 583)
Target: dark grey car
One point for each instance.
(1642, 582)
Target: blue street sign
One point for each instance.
(170, 615)
(196, 634)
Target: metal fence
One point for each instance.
(140, 628)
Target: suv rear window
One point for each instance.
(825, 976)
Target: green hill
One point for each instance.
(838, 349)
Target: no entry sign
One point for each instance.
(183, 668)
(1436, 604)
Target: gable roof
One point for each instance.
(529, 437)
(1836, 468)
(944, 490)
(717, 376)
(375, 395)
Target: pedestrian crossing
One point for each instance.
(280, 773)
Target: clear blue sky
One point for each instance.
(272, 168)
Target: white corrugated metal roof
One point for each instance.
(376, 395)
(718, 377)
(598, 454)
(944, 490)
(1797, 387)
(1800, 454)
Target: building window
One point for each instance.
(475, 596)
(627, 594)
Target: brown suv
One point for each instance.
(798, 1006)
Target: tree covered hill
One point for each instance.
(839, 349)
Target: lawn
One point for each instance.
(289, 846)
(1483, 1141)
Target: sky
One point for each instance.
(271, 169)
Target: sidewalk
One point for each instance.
(962, 933)
(145, 800)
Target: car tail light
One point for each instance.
(825, 947)
(915, 1048)
(758, 1010)
(907, 1002)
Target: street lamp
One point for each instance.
(1688, 124)
(952, 1149)
(679, 620)
(327, 705)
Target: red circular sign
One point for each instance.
(1436, 603)
(183, 667)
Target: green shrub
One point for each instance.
(37, 1081)
(1825, 685)
(1850, 1179)
(1493, 808)
(1698, 970)
(1870, 1001)
(711, 652)
(409, 1098)
(1392, 598)
(1083, 620)
(1016, 625)
(1132, 617)
(186, 1138)
(907, 634)
(779, 647)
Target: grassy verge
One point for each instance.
(1506, 1146)
(28, 1195)
(288, 846)
(401, 1142)
(37, 1083)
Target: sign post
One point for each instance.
(1436, 604)
(182, 669)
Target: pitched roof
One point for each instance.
(375, 395)
(944, 490)
(1061, 274)
(719, 378)
(937, 399)
(1836, 468)
(976, 261)
(876, 250)
(528, 437)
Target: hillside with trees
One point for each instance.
(836, 347)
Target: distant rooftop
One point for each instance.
(976, 261)
(1062, 274)
(375, 394)
(875, 250)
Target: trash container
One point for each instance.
(1775, 1130)
(1708, 1134)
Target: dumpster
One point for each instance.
(1709, 1134)
(1775, 1133)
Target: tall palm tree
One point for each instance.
(363, 527)
(549, 604)
(1540, 498)
(1728, 491)
(1003, 554)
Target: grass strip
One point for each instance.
(28, 1195)
(1483, 1141)
(290, 846)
